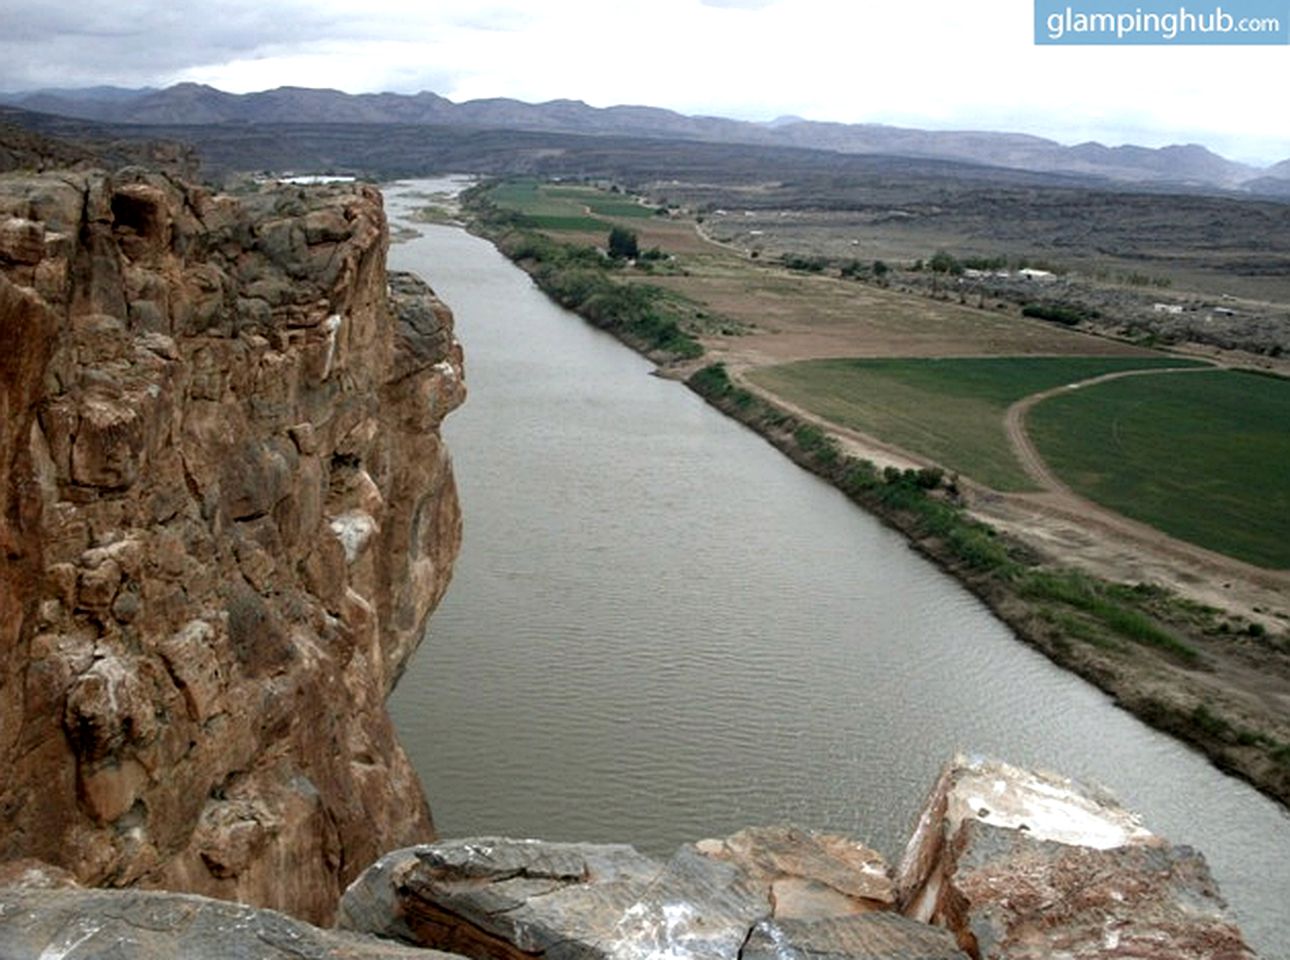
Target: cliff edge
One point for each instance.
(225, 515)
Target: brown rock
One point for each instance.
(190, 656)
(98, 586)
(110, 791)
(810, 875)
(21, 241)
(31, 874)
(182, 639)
(109, 440)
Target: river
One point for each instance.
(660, 629)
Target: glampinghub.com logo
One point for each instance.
(1244, 22)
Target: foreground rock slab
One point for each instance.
(1021, 865)
(772, 892)
(136, 925)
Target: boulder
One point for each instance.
(1020, 865)
(21, 240)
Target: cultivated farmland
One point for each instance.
(1204, 457)
(950, 410)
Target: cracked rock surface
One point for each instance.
(509, 899)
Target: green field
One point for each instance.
(950, 410)
(1203, 456)
(566, 208)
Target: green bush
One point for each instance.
(1059, 312)
(796, 261)
(943, 262)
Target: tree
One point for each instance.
(943, 262)
(622, 244)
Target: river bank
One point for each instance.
(1181, 687)
(1171, 662)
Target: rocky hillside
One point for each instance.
(225, 515)
(27, 150)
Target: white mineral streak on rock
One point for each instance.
(1049, 807)
(783, 946)
(114, 676)
(446, 369)
(72, 938)
(332, 326)
(354, 530)
(650, 931)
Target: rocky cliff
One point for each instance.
(225, 514)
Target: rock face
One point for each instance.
(1027, 866)
(773, 892)
(225, 514)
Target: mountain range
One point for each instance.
(1190, 165)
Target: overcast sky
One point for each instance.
(963, 64)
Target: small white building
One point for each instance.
(1167, 307)
(1030, 273)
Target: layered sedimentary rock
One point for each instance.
(225, 514)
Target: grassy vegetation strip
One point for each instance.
(948, 410)
(581, 278)
(1106, 632)
(1204, 457)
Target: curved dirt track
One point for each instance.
(1014, 422)
(1069, 528)
(1195, 566)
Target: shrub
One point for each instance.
(1060, 312)
(796, 261)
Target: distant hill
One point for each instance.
(194, 104)
(1280, 171)
(35, 142)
